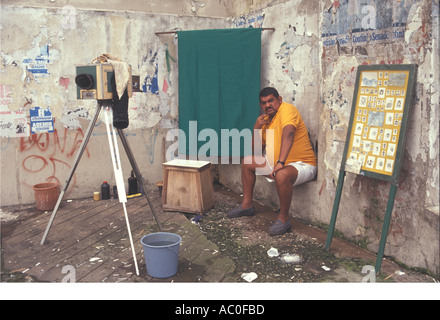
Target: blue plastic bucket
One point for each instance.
(161, 252)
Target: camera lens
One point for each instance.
(84, 81)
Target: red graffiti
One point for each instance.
(35, 164)
(39, 141)
(49, 153)
(42, 142)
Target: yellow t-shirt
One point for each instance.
(302, 148)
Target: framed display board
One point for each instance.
(376, 136)
(381, 106)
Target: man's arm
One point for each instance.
(287, 142)
(256, 141)
(286, 145)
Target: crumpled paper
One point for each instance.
(249, 277)
(273, 252)
(291, 258)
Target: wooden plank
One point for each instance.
(100, 232)
(102, 242)
(121, 267)
(113, 250)
(60, 228)
(57, 250)
(71, 237)
(118, 257)
(38, 220)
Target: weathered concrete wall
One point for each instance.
(246, 7)
(403, 32)
(38, 70)
(313, 59)
(203, 8)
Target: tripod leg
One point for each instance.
(137, 172)
(116, 161)
(78, 158)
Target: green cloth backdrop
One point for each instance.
(219, 84)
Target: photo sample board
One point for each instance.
(381, 106)
(376, 136)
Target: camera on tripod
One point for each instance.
(94, 82)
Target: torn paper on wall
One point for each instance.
(41, 120)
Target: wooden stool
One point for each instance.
(187, 186)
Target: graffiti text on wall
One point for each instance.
(49, 153)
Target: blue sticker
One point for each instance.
(41, 120)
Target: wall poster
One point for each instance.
(41, 120)
(381, 104)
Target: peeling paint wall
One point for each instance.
(384, 32)
(313, 58)
(200, 8)
(38, 72)
(246, 7)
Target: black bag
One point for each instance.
(120, 108)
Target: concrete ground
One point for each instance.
(89, 243)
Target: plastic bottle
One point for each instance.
(105, 191)
(132, 185)
(115, 192)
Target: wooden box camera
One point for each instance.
(94, 82)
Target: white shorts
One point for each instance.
(306, 172)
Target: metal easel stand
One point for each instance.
(101, 104)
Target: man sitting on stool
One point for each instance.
(289, 160)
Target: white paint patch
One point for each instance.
(7, 216)
(415, 23)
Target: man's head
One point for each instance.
(270, 101)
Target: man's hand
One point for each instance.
(277, 168)
(262, 121)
